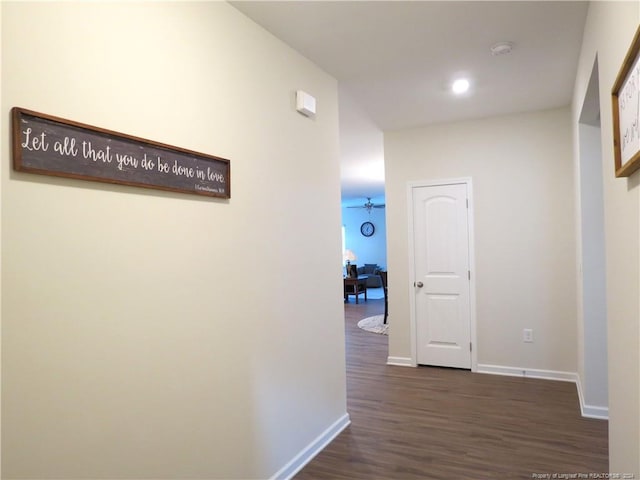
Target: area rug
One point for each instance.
(374, 324)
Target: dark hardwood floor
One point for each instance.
(438, 423)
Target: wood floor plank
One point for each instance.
(439, 423)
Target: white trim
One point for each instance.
(599, 413)
(307, 454)
(472, 280)
(412, 275)
(472, 264)
(589, 411)
(401, 362)
(528, 372)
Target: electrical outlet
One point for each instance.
(527, 335)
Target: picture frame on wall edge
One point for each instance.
(625, 102)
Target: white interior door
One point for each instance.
(442, 283)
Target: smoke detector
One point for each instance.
(501, 48)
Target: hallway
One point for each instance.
(434, 423)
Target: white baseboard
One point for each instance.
(589, 411)
(400, 361)
(599, 413)
(310, 451)
(528, 372)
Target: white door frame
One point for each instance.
(472, 265)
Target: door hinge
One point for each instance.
(469, 272)
(470, 347)
(467, 203)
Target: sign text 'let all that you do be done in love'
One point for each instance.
(54, 146)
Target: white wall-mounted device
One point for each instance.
(305, 103)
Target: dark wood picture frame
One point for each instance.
(48, 145)
(625, 101)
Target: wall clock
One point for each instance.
(367, 229)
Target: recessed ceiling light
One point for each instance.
(460, 86)
(501, 48)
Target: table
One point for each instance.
(355, 286)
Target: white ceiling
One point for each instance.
(395, 60)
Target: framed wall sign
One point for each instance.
(625, 100)
(49, 145)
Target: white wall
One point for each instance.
(148, 334)
(608, 33)
(521, 167)
(361, 151)
(592, 305)
(371, 249)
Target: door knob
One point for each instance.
(419, 284)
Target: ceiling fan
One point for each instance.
(369, 205)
